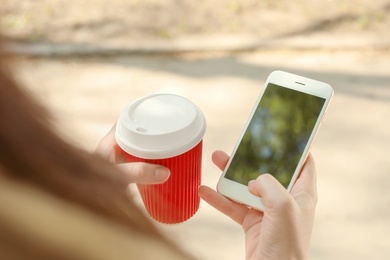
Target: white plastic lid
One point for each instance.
(160, 126)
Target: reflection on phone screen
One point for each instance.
(276, 136)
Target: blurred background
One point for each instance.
(86, 59)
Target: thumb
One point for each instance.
(144, 173)
(273, 194)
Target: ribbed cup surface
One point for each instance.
(177, 199)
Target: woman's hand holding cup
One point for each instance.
(136, 172)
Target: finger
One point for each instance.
(220, 159)
(145, 173)
(106, 146)
(272, 193)
(305, 188)
(235, 211)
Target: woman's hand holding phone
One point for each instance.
(284, 229)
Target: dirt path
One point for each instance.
(88, 21)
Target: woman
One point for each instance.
(59, 202)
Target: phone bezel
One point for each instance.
(239, 192)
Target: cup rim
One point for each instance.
(159, 145)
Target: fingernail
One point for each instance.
(161, 173)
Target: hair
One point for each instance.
(56, 198)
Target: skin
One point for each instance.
(282, 231)
(139, 172)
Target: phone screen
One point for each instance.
(276, 136)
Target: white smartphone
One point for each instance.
(277, 136)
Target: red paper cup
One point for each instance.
(168, 130)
